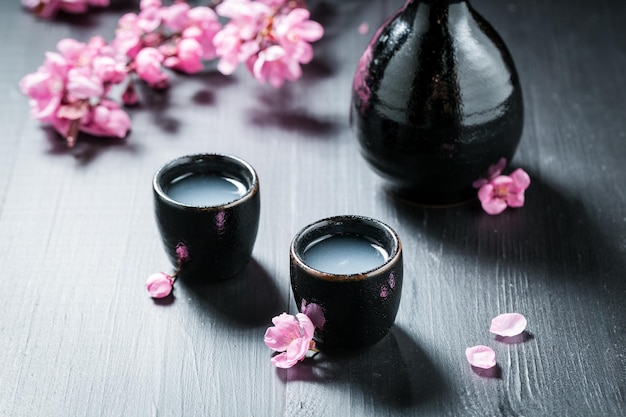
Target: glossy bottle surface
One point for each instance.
(436, 100)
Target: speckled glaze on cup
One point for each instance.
(219, 238)
(350, 311)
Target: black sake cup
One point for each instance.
(218, 239)
(350, 311)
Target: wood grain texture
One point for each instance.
(80, 336)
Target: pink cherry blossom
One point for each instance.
(275, 66)
(295, 31)
(46, 87)
(237, 41)
(203, 25)
(109, 70)
(271, 36)
(508, 324)
(148, 67)
(149, 17)
(232, 49)
(128, 35)
(82, 83)
(181, 34)
(504, 191)
(175, 17)
(106, 119)
(145, 4)
(292, 336)
(70, 91)
(159, 285)
(481, 356)
(247, 17)
(188, 57)
(85, 55)
(71, 50)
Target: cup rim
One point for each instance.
(394, 254)
(198, 158)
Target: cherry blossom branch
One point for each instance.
(70, 91)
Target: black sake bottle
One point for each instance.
(436, 100)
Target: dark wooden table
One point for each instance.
(79, 335)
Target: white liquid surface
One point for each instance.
(344, 254)
(203, 190)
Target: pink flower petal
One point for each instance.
(489, 201)
(106, 119)
(503, 181)
(496, 169)
(276, 339)
(508, 324)
(297, 350)
(282, 361)
(481, 356)
(515, 199)
(284, 331)
(521, 179)
(148, 67)
(159, 285)
(306, 325)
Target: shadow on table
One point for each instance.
(282, 109)
(552, 234)
(157, 102)
(87, 147)
(250, 299)
(395, 372)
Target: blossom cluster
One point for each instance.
(71, 90)
(177, 37)
(272, 37)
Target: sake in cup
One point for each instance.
(346, 274)
(207, 209)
